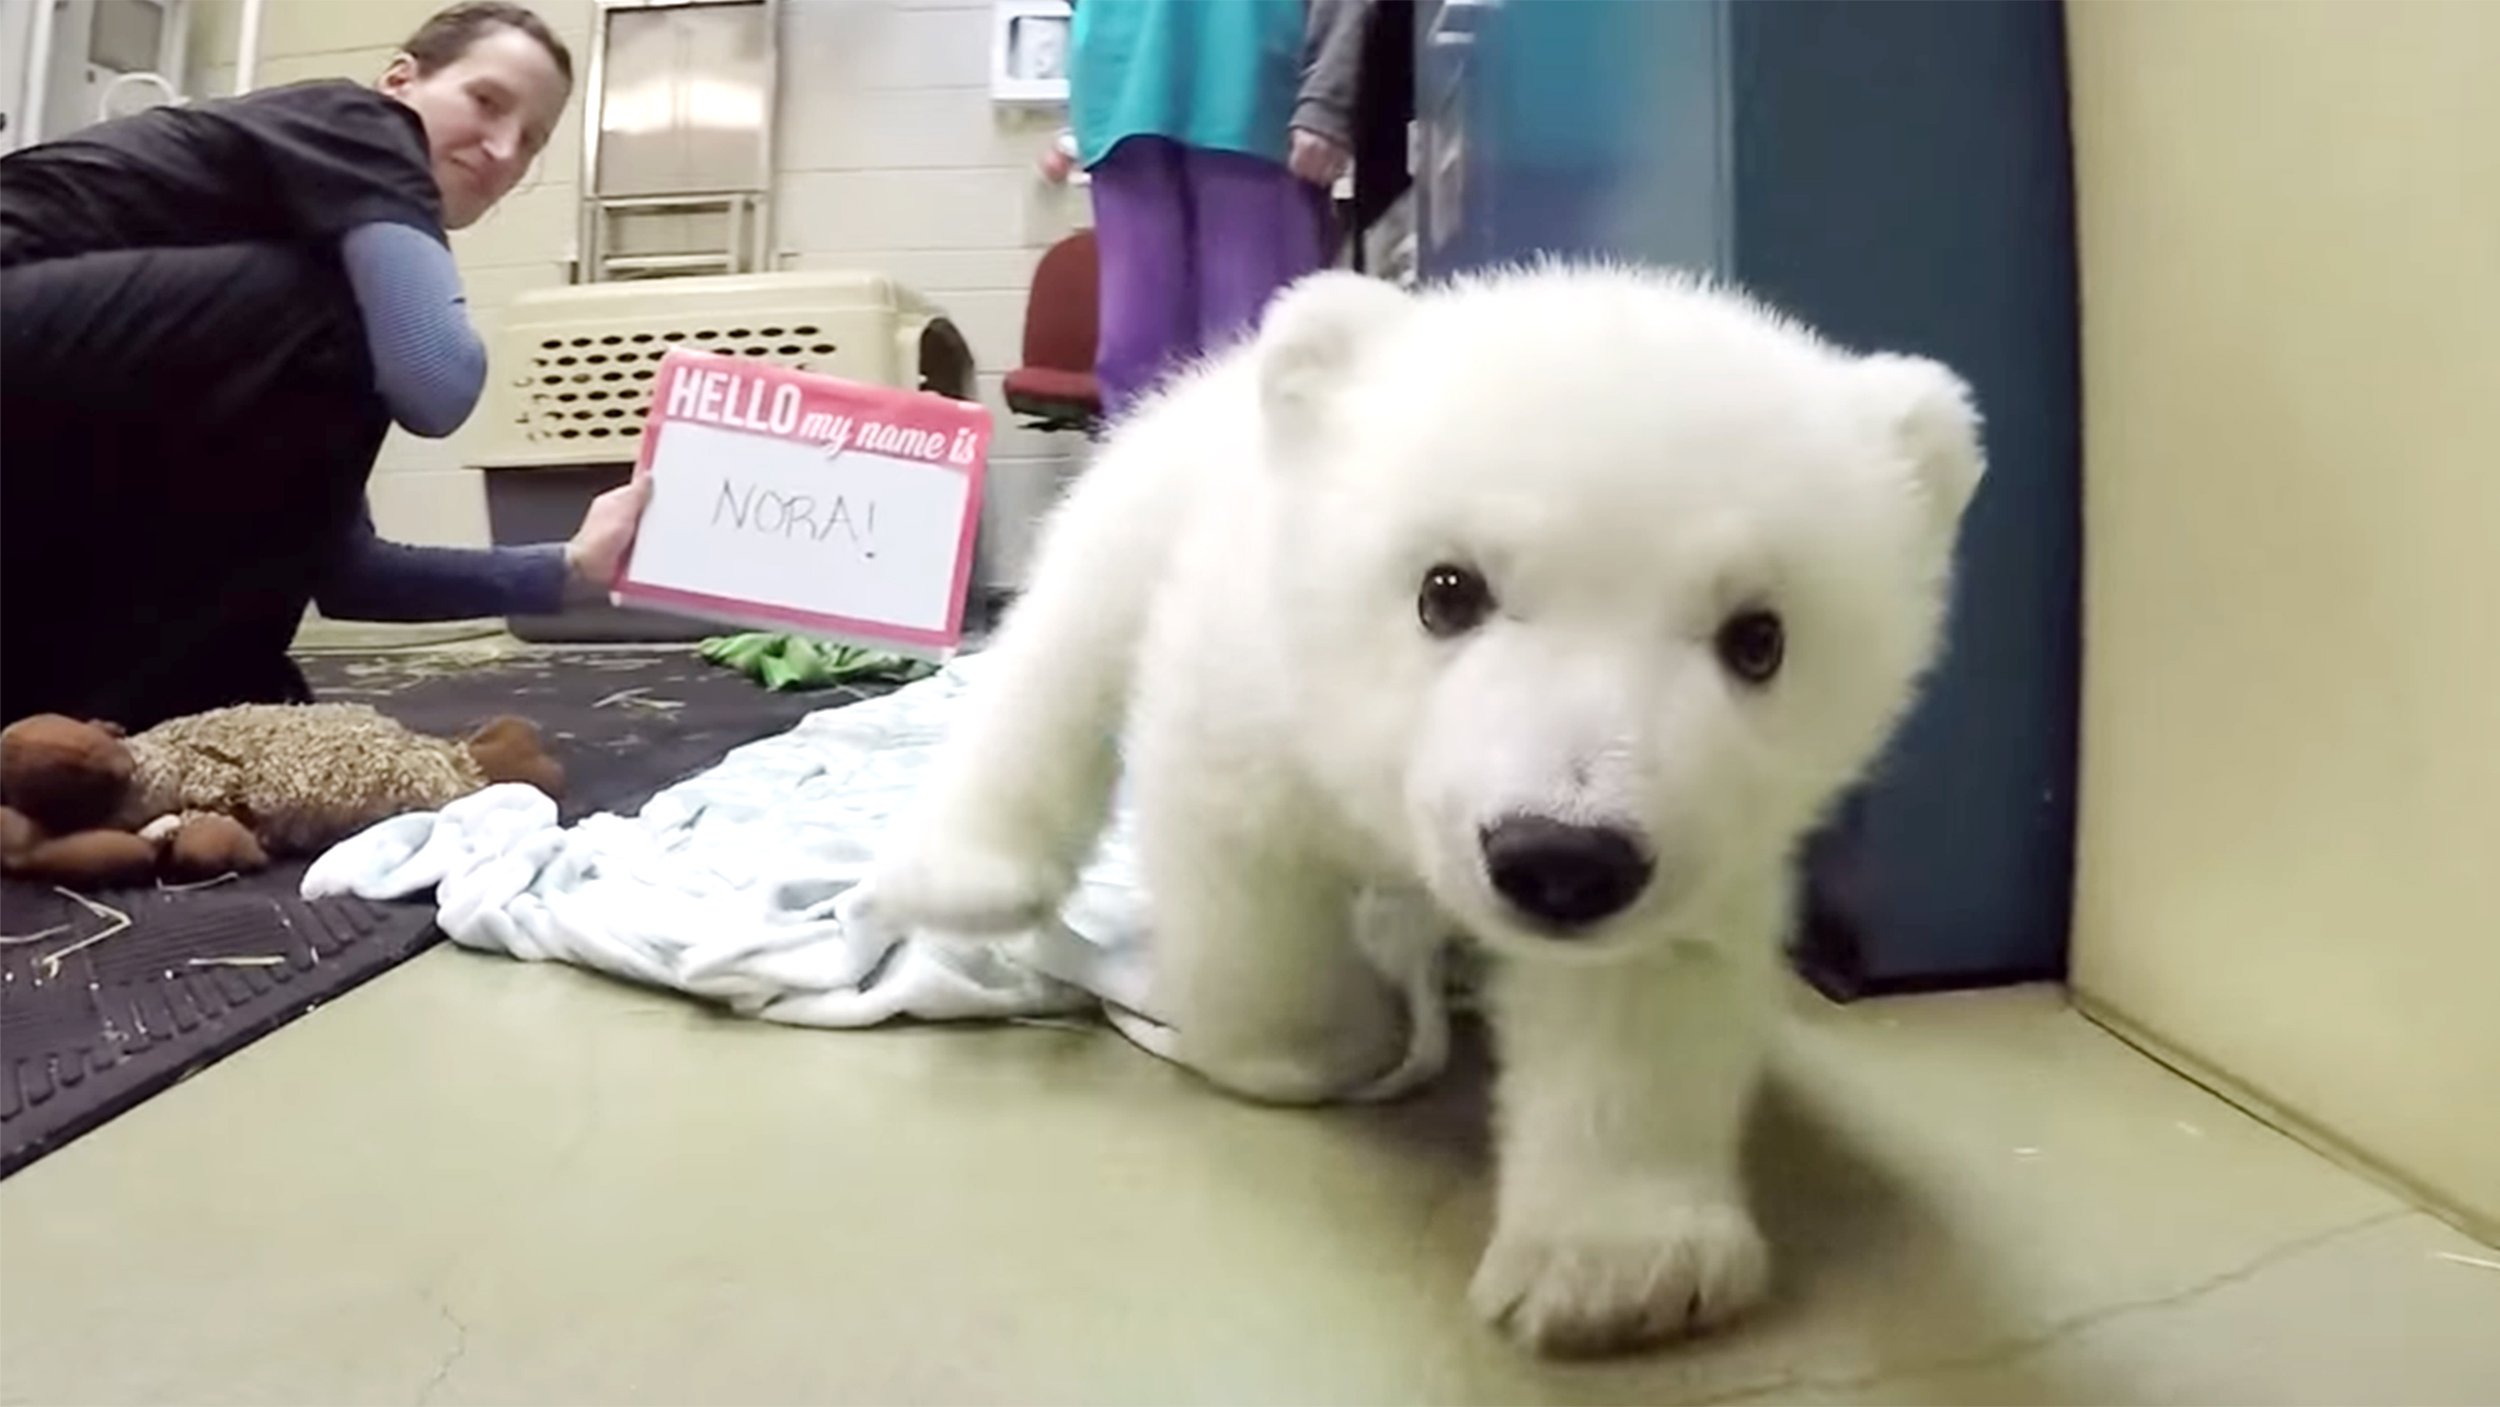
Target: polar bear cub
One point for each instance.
(1557, 605)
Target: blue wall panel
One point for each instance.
(1897, 173)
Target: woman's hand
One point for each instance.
(1059, 162)
(598, 546)
(1317, 159)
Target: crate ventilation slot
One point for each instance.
(596, 386)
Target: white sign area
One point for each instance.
(777, 523)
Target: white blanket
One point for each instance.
(740, 886)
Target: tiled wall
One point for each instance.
(890, 155)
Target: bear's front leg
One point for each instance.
(1621, 1219)
(1255, 959)
(1005, 822)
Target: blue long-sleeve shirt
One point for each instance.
(374, 579)
(429, 367)
(429, 364)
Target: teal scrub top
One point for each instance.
(1218, 74)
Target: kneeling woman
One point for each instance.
(210, 316)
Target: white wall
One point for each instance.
(17, 27)
(2290, 847)
(891, 156)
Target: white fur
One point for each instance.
(1628, 459)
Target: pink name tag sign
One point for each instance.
(789, 500)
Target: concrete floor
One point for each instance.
(476, 1181)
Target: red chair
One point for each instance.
(1055, 385)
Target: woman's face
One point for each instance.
(487, 114)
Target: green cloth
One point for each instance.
(796, 662)
(1221, 75)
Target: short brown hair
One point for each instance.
(451, 33)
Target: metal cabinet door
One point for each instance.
(1574, 127)
(1902, 180)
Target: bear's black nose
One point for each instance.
(1563, 877)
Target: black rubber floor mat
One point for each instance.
(89, 1029)
(95, 1017)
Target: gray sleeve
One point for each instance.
(372, 578)
(1332, 58)
(428, 362)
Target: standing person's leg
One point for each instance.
(1259, 227)
(185, 437)
(1141, 236)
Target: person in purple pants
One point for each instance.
(1211, 131)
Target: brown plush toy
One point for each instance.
(197, 797)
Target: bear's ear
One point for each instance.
(1312, 337)
(1933, 423)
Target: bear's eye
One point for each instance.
(1453, 601)
(1751, 644)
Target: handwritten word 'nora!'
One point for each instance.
(773, 513)
(737, 401)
